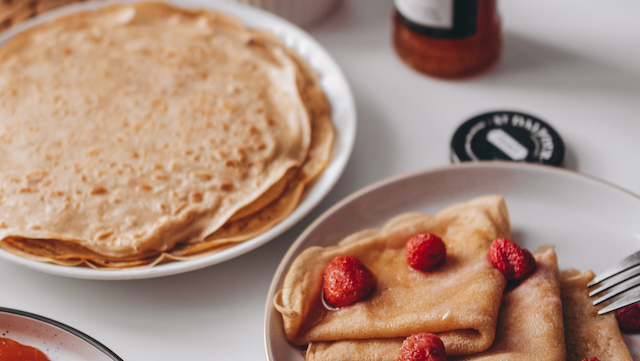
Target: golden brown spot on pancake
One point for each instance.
(27, 190)
(174, 166)
(196, 197)
(253, 130)
(98, 190)
(3, 225)
(231, 163)
(160, 177)
(84, 178)
(93, 152)
(35, 177)
(227, 187)
(36, 227)
(56, 193)
(145, 187)
(104, 235)
(188, 152)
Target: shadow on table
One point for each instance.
(557, 68)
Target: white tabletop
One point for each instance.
(574, 64)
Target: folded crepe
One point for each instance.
(529, 326)
(459, 300)
(587, 333)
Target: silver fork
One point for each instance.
(621, 278)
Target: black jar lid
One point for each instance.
(508, 136)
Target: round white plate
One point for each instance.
(591, 223)
(342, 110)
(57, 340)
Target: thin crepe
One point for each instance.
(587, 333)
(128, 185)
(529, 326)
(464, 292)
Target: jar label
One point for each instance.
(439, 18)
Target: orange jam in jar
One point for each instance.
(449, 39)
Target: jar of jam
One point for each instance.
(449, 39)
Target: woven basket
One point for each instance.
(13, 12)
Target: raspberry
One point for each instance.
(629, 318)
(347, 280)
(591, 359)
(515, 263)
(424, 251)
(422, 347)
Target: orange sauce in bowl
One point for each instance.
(14, 351)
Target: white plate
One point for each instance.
(343, 114)
(592, 224)
(58, 341)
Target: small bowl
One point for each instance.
(304, 13)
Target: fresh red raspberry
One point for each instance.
(347, 280)
(629, 319)
(591, 359)
(515, 263)
(422, 347)
(424, 251)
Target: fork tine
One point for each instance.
(615, 280)
(632, 297)
(616, 290)
(623, 265)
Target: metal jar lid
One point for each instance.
(509, 136)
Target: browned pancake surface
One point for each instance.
(459, 300)
(138, 129)
(529, 326)
(587, 333)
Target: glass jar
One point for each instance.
(449, 39)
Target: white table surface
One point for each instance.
(575, 64)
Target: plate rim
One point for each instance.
(341, 149)
(75, 332)
(269, 309)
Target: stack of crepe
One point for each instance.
(465, 301)
(139, 133)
